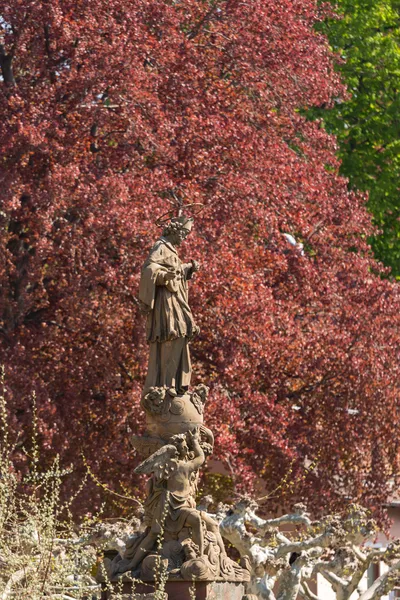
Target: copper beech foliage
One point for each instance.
(108, 109)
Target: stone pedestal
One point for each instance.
(180, 415)
(180, 590)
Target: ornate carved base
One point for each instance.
(166, 415)
(180, 590)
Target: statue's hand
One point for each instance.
(169, 276)
(171, 280)
(195, 434)
(195, 266)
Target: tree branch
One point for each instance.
(316, 542)
(295, 519)
(307, 593)
(333, 579)
(6, 66)
(289, 581)
(383, 584)
(17, 577)
(47, 45)
(365, 560)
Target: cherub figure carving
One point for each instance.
(154, 400)
(170, 505)
(199, 397)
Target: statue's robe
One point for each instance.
(170, 323)
(168, 511)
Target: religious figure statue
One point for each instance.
(174, 533)
(163, 294)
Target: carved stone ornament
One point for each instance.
(199, 397)
(175, 537)
(154, 401)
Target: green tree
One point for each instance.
(367, 122)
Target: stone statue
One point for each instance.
(163, 294)
(175, 535)
(170, 505)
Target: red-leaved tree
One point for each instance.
(111, 107)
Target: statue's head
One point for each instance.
(180, 443)
(190, 549)
(178, 229)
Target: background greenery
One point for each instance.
(367, 123)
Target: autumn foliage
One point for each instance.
(116, 107)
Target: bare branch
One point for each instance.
(47, 45)
(320, 541)
(365, 560)
(6, 66)
(300, 518)
(333, 579)
(359, 554)
(15, 578)
(289, 581)
(307, 593)
(383, 584)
